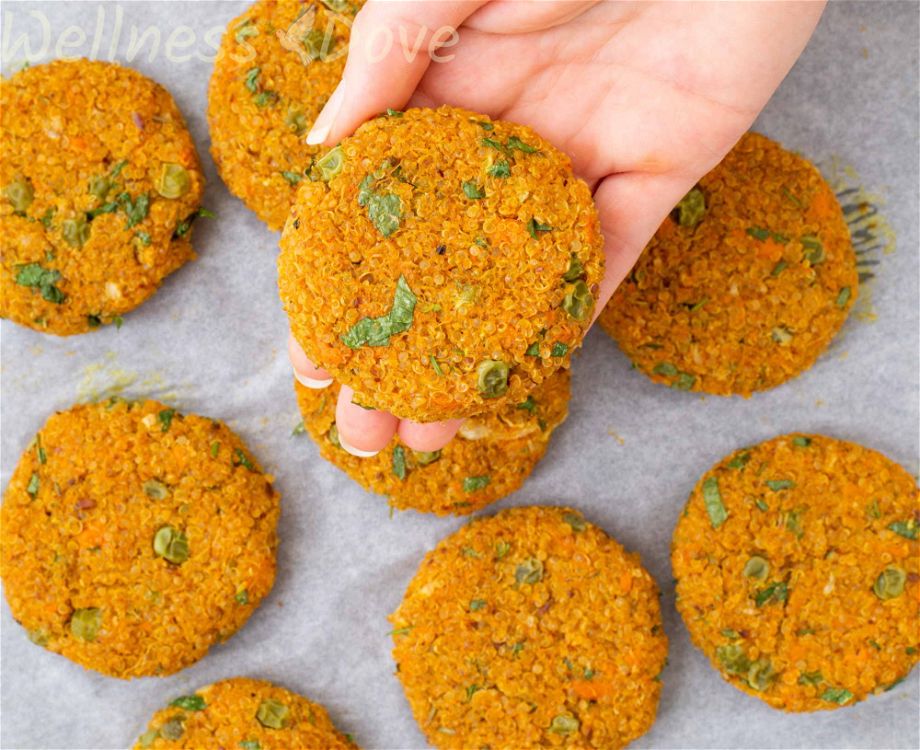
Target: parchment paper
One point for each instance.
(212, 342)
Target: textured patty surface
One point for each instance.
(746, 283)
(441, 263)
(530, 628)
(797, 571)
(134, 538)
(99, 185)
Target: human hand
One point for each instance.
(644, 97)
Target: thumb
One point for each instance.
(391, 47)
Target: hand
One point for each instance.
(644, 97)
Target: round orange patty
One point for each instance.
(134, 538)
(797, 571)
(99, 185)
(745, 284)
(530, 628)
(242, 713)
(441, 263)
(489, 458)
(277, 65)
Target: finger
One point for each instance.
(428, 436)
(390, 49)
(515, 17)
(362, 432)
(305, 371)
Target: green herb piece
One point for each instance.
(33, 485)
(691, 208)
(497, 145)
(665, 369)
(470, 552)
(529, 405)
(171, 544)
(910, 650)
(34, 276)
(502, 548)
(487, 126)
(575, 271)
(733, 659)
(756, 567)
(810, 678)
(183, 226)
(118, 321)
(245, 30)
(492, 378)
(296, 121)
(215, 448)
(473, 484)
(800, 441)
(292, 177)
(840, 696)
(272, 714)
(533, 350)
(874, 645)
(165, 418)
(778, 485)
(106, 208)
(241, 459)
(516, 144)
(85, 624)
(732, 635)
(242, 597)
(472, 191)
(909, 529)
(758, 233)
(424, 458)
(684, 381)
(812, 249)
(471, 690)
(265, 98)
(147, 738)
(155, 490)
(250, 745)
(330, 164)
(530, 571)
(534, 226)
(575, 521)
(890, 583)
(760, 675)
(136, 211)
(500, 169)
(477, 604)
(517, 648)
(739, 461)
(435, 366)
(775, 592)
(394, 113)
(189, 703)
(299, 429)
(401, 631)
(559, 349)
(144, 238)
(99, 187)
(173, 729)
(781, 335)
(377, 331)
(93, 321)
(779, 268)
(578, 301)
(843, 297)
(252, 80)
(333, 436)
(399, 462)
(40, 451)
(564, 724)
(173, 181)
(20, 193)
(47, 217)
(793, 521)
(712, 499)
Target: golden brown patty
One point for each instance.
(745, 284)
(134, 537)
(797, 569)
(243, 713)
(442, 263)
(489, 459)
(530, 628)
(277, 65)
(99, 184)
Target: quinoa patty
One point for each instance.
(747, 281)
(134, 537)
(277, 65)
(442, 263)
(530, 628)
(243, 713)
(99, 185)
(797, 569)
(489, 458)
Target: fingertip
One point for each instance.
(428, 436)
(305, 371)
(362, 432)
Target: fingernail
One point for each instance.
(316, 385)
(355, 451)
(326, 118)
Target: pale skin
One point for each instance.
(644, 97)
